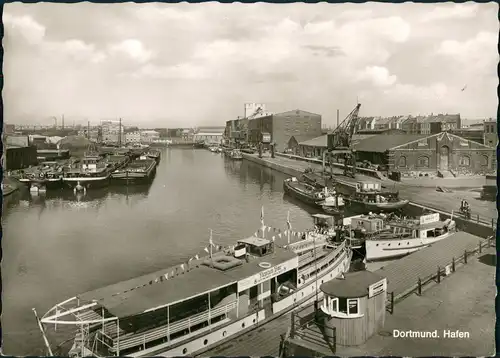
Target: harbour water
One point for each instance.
(57, 246)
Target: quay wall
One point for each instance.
(278, 167)
(365, 171)
(476, 226)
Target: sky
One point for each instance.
(180, 65)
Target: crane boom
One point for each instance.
(340, 141)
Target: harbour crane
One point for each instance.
(340, 143)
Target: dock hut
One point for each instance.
(354, 306)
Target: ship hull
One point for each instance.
(87, 182)
(377, 207)
(297, 194)
(48, 183)
(133, 178)
(126, 177)
(394, 248)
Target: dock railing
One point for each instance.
(440, 273)
(309, 327)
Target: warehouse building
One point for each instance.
(280, 127)
(428, 155)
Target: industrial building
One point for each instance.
(19, 154)
(417, 155)
(209, 135)
(280, 127)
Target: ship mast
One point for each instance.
(120, 134)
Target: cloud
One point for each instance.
(379, 76)
(29, 29)
(134, 49)
(181, 71)
(397, 58)
(478, 53)
(451, 11)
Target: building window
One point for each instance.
(352, 306)
(423, 162)
(464, 161)
(342, 306)
(402, 162)
(484, 160)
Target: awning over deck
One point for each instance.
(136, 296)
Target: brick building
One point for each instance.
(415, 155)
(236, 131)
(490, 133)
(282, 126)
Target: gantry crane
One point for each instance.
(340, 142)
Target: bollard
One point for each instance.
(478, 218)
(439, 275)
(465, 257)
(419, 287)
(479, 248)
(453, 264)
(392, 302)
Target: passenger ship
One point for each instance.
(392, 237)
(198, 305)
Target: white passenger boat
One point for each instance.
(195, 306)
(387, 238)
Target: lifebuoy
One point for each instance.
(42, 175)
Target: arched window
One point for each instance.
(402, 162)
(484, 160)
(464, 161)
(423, 162)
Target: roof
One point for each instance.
(209, 133)
(321, 141)
(354, 284)
(135, 296)
(404, 273)
(295, 112)
(382, 143)
(322, 216)
(255, 241)
(303, 137)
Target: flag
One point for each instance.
(182, 267)
(288, 225)
(196, 257)
(274, 237)
(166, 276)
(206, 249)
(190, 259)
(262, 216)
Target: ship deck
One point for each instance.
(140, 294)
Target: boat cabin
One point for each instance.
(323, 221)
(256, 246)
(426, 226)
(372, 193)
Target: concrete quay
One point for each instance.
(460, 302)
(424, 196)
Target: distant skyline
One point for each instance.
(182, 65)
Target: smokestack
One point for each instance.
(88, 130)
(63, 121)
(337, 117)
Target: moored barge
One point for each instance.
(141, 170)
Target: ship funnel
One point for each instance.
(240, 251)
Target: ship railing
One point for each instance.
(167, 330)
(307, 271)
